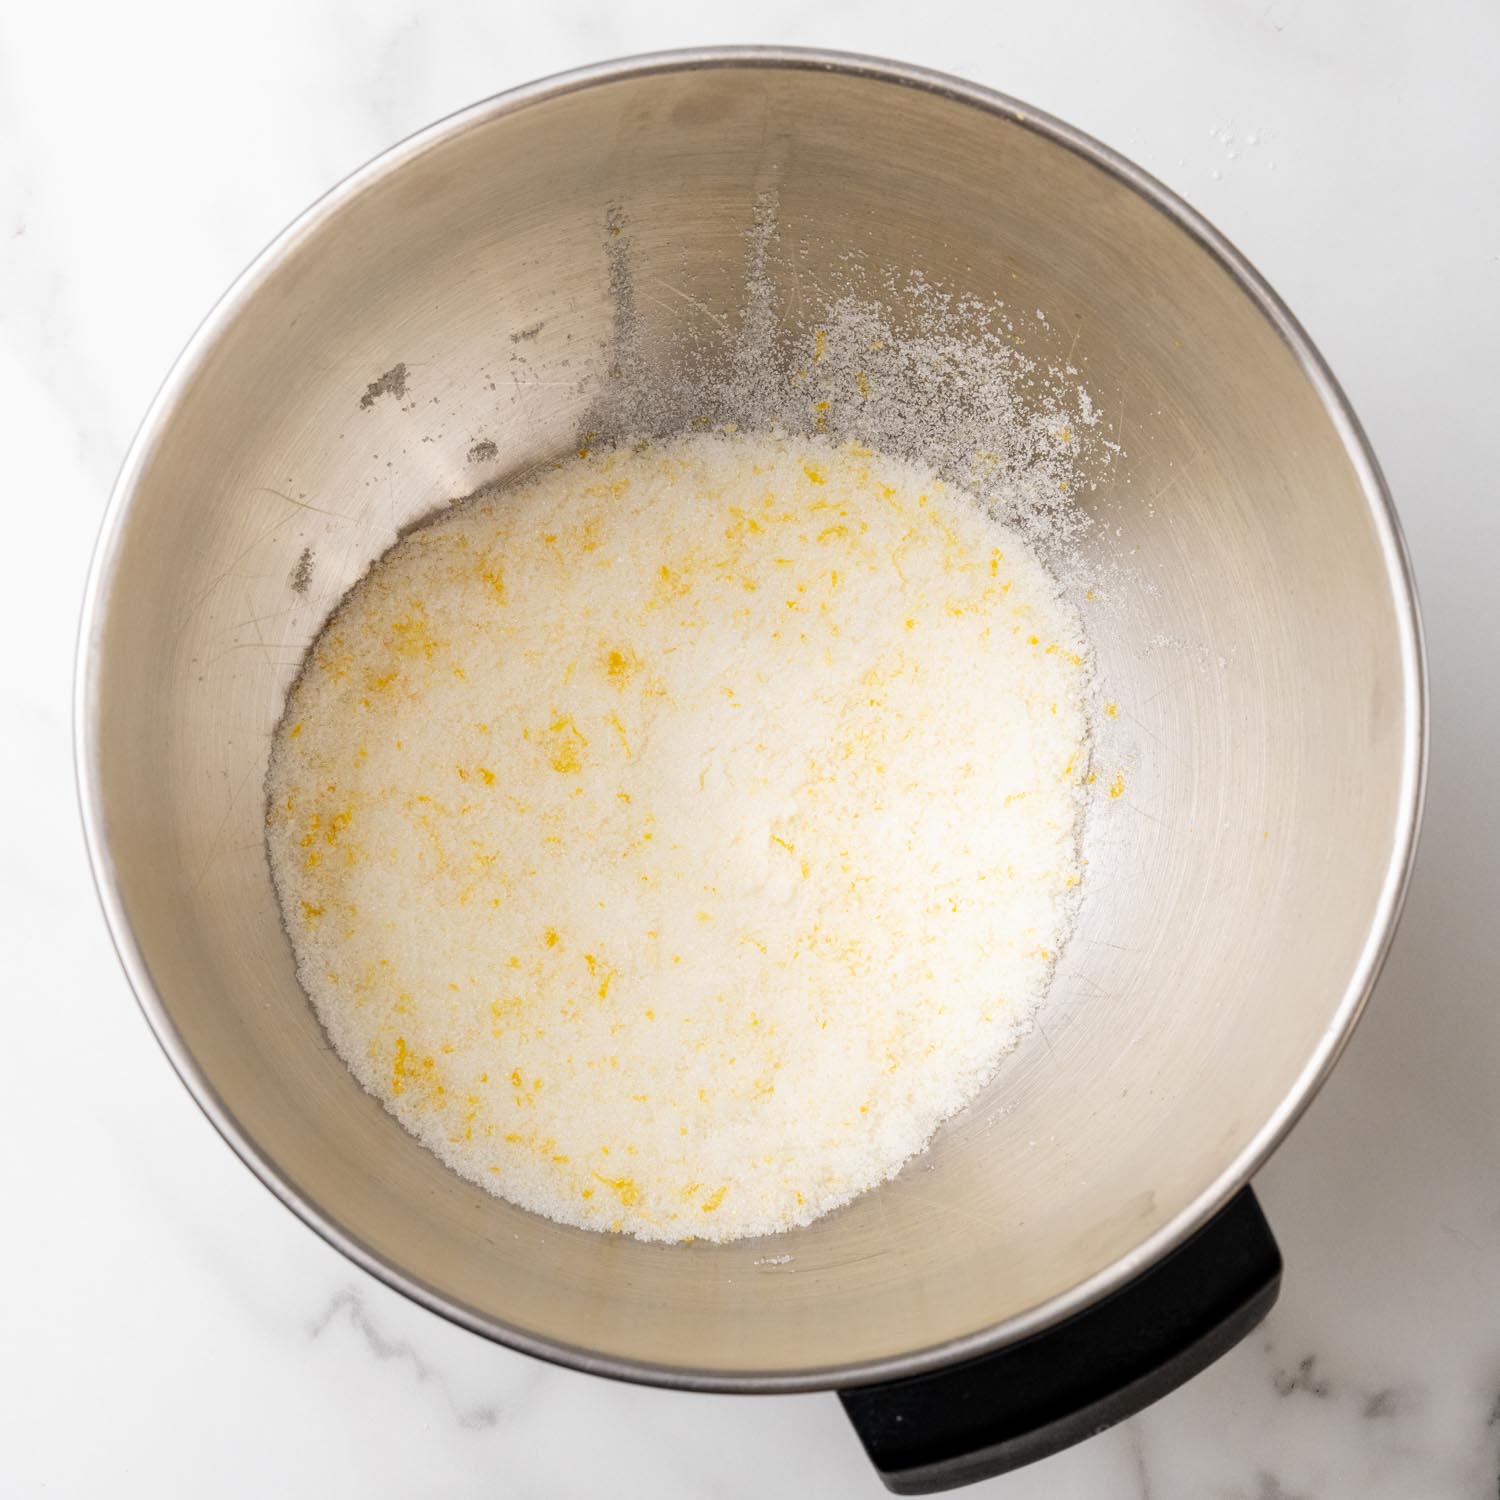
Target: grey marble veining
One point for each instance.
(170, 1329)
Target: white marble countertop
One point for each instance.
(169, 1328)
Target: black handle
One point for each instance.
(991, 1414)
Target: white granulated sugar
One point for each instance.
(673, 843)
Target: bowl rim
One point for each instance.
(1384, 916)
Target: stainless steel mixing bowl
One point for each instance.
(450, 296)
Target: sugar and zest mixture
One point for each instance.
(673, 843)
